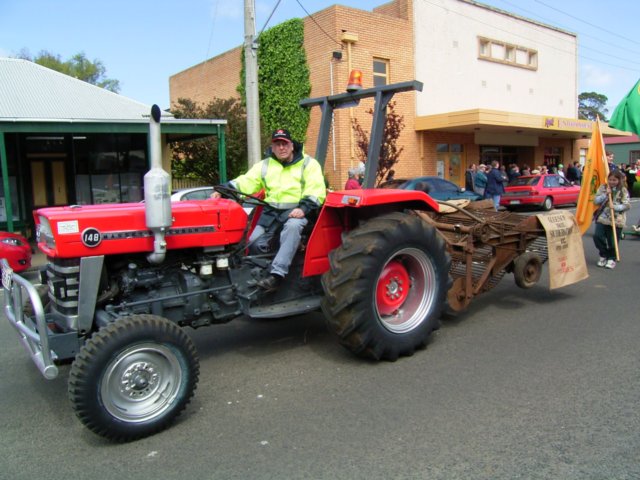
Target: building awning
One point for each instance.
(174, 129)
(492, 126)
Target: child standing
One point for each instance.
(603, 237)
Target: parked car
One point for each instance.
(16, 249)
(541, 191)
(195, 193)
(438, 188)
(199, 193)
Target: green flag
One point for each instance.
(626, 116)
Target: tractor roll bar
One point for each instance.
(383, 95)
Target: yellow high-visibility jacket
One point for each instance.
(298, 184)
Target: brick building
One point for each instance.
(496, 85)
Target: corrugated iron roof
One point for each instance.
(31, 91)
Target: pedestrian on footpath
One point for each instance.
(611, 198)
(480, 180)
(496, 179)
(353, 183)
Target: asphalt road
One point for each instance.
(533, 384)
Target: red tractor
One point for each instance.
(122, 280)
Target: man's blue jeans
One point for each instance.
(289, 241)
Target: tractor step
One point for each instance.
(286, 309)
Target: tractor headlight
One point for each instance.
(44, 233)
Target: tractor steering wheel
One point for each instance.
(239, 196)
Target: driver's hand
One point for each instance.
(216, 195)
(296, 213)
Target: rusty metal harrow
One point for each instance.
(484, 245)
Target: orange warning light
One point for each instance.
(355, 81)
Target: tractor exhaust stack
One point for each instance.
(157, 192)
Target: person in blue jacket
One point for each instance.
(495, 184)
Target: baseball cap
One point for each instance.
(281, 134)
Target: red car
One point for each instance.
(543, 191)
(16, 249)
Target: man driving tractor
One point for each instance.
(295, 189)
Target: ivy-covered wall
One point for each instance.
(283, 79)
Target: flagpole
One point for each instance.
(614, 232)
(613, 225)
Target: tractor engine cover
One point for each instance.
(92, 230)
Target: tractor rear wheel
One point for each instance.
(387, 286)
(133, 377)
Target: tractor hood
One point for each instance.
(91, 230)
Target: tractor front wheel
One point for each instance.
(387, 286)
(133, 377)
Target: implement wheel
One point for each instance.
(387, 286)
(133, 377)
(527, 269)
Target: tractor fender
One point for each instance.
(341, 211)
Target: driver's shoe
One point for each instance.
(269, 283)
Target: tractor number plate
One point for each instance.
(6, 277)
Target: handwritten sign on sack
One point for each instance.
(567, 264)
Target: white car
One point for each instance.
(199, 193)
(196, 193)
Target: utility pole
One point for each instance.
(251, 82)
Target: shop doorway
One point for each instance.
(450, 162)
(47, 159)
(48, 182)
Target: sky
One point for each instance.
(143, 42)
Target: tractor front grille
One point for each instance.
(63, 279)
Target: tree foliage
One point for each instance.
(592, 105)
(198, 159)
(389, 149)
(78, 66)
(283, 79)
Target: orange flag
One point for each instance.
(594, 174)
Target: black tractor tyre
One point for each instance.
(387, 286)
(547, 204)
(133, 378)
(527, 269)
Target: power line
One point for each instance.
(317, 24)
(267, 22)
(588, 23)
(581, 33)
(206, 57)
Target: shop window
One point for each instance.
(450, 161)
(583, 156)
(14, 172)
(109, 168)
(553, 156)
(504, 155)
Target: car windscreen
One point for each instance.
(439, 185)
(393, 183)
